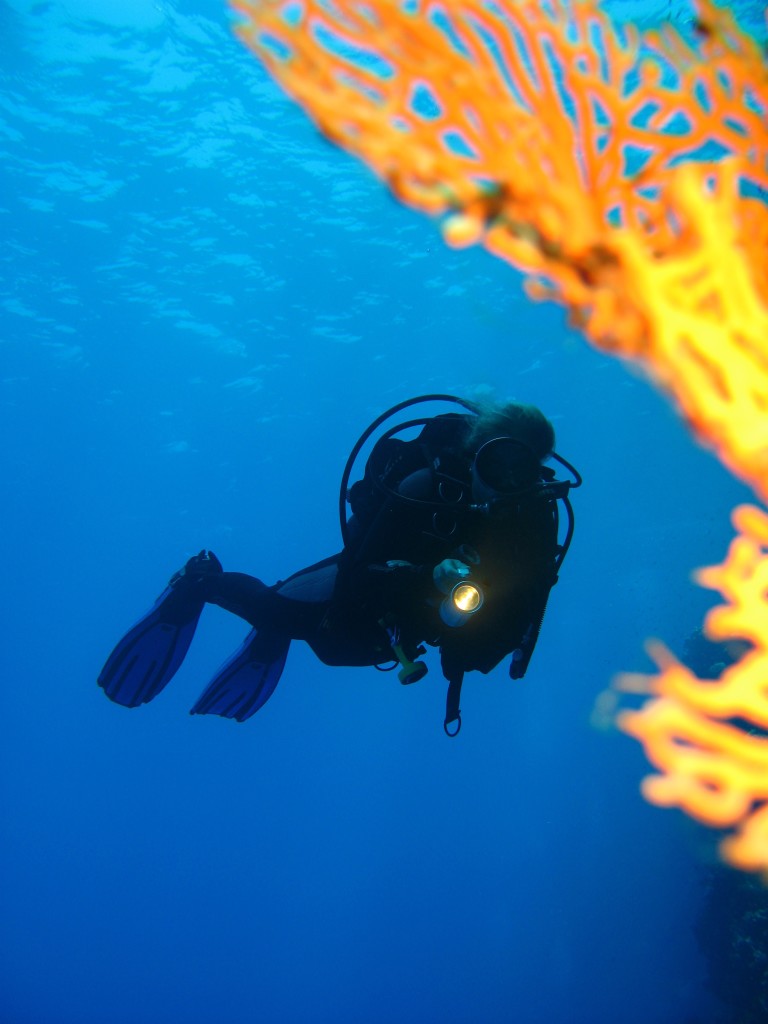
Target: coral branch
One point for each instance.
(710, 737)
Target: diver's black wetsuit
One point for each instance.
(457, 503)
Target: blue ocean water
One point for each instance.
(202, 306)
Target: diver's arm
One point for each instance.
(394, 583)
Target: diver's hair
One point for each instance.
(524, 423)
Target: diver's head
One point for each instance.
(508, 444)
(524, 423)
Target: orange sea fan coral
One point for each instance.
(560, 142)
(626, 172)
(710, 737)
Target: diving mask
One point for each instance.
(503, 468)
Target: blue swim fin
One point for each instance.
(149, 655)
(247, 680)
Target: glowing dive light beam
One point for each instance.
(467, 598)
(461, 604)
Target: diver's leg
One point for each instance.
(290, 610)
(262, 606)
(235, 592)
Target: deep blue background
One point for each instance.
(201, 307)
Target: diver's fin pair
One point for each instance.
(150, 654)
(247, 680)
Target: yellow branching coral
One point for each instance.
(626, 172)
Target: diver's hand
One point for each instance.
(395, 566)
(448, 573)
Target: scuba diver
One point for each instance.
(452, 542)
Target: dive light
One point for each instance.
(461, 604)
